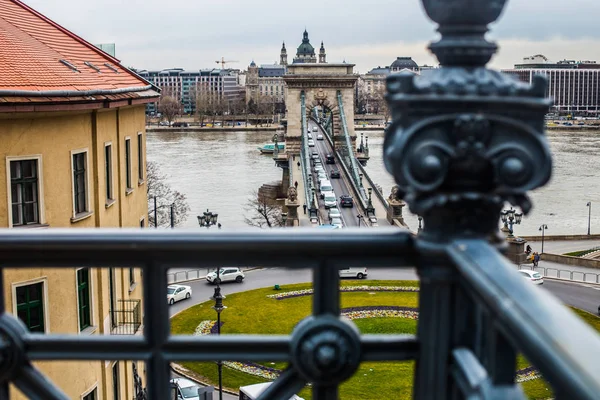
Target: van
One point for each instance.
(252, 392)
(325, 186)
(358, 273)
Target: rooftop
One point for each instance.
(38, 55)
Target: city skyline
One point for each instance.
(196, 39)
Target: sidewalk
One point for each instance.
(566, 272)
(296, 176)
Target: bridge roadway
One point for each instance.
(340, 186)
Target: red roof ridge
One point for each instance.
(76, 37)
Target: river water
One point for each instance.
(219, 171)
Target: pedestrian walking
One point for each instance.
(536, 259)
(304, 206)
(298, 164)
(296, 185)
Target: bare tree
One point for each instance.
(169, 107)
(263, 212)
(165, 197)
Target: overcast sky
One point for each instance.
(158, 34)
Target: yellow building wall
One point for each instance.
(54, 136)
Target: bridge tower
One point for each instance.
(320, 83)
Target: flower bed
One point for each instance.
(308, 292)
(527, 374)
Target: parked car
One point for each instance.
(180, 125)
(311, 143)
(186, 388)
(226, 275)
(335, 174)
(329, 200)
(334, 213)
(177, 293)
(359, 273)
(164, 123)
(533, 276)
(319, 137)
(329, 159)
(346, 201)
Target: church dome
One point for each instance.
(305, 48)
(403, 63)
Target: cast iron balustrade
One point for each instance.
(463, 141)
(126, 317)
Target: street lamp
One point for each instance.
(360, 218)
(208, 219)
(370, 209)
(543, 228)
(510, 218)
(313, 206)
(283, 218)
(589, 205)
(219, 307)
(360, 176)
(420, 224)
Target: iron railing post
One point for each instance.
(464, 139)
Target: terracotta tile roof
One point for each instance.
(31, 50)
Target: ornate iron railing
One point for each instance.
(464, 140)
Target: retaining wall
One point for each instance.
(561, 237)
(569, 260)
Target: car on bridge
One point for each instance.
(346, 201)
(329, 200)
(325, 187)
(319, 137)
(335, 174)
(177, 293)
(337, 222)
(334, 213)
(226, 275)
(315, 129)
(311, 143)
(329, 159)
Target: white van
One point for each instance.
(359, 273)
(251, 392)
(325, 186)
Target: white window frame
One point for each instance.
(44, 281)
(87, 186)
(140, 151)
(92, 328)
(41, 208)
(128, 172)
(90, 390)
(110, 201)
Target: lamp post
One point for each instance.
(208, 219)
(313, 205)
(360, 218)
(543, 228)
(360, 176)
(370, 209)
(219, 307)
(420, 224)
(589, 205)
(283, 218)
(510, 218)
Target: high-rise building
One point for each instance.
(573, 85)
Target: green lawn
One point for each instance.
(253, 312)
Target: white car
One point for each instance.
(322, 176)
(311, 143)
(319, 168)
(337, 222)
(319, 137)
(315, 129)
(330, 201)
(178, 292)
(533, 276)
(335, 213)
(359, 273)
(186, 389)
(226, 275)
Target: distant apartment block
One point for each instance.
(187, 86)
(573, 85)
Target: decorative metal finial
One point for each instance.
(465, 139)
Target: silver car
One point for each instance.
(226, 275)
(334, 213)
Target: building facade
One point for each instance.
(370, 87)
(190, 87)
(72, 160)
(573, 85)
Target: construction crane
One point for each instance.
(223, 62)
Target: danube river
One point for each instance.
(219, 171)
